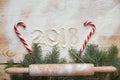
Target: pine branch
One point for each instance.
(92, 54)
(28, 59)
(10, 63)
(37, 53)
(53, 56)
(75, 56)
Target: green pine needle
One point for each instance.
(53, 56)
(92, 54)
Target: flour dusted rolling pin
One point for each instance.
(61, 69)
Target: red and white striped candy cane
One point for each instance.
(20, 36)
(87, 23)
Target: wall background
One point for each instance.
(57, 14)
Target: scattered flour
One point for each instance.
(47, 14)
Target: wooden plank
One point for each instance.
(60, 15)
(3, 74)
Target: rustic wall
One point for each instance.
(63, 16)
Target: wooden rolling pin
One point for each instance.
(61, 69)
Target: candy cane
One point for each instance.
(20, 36)
(89, 35)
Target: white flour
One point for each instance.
(47, 14)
